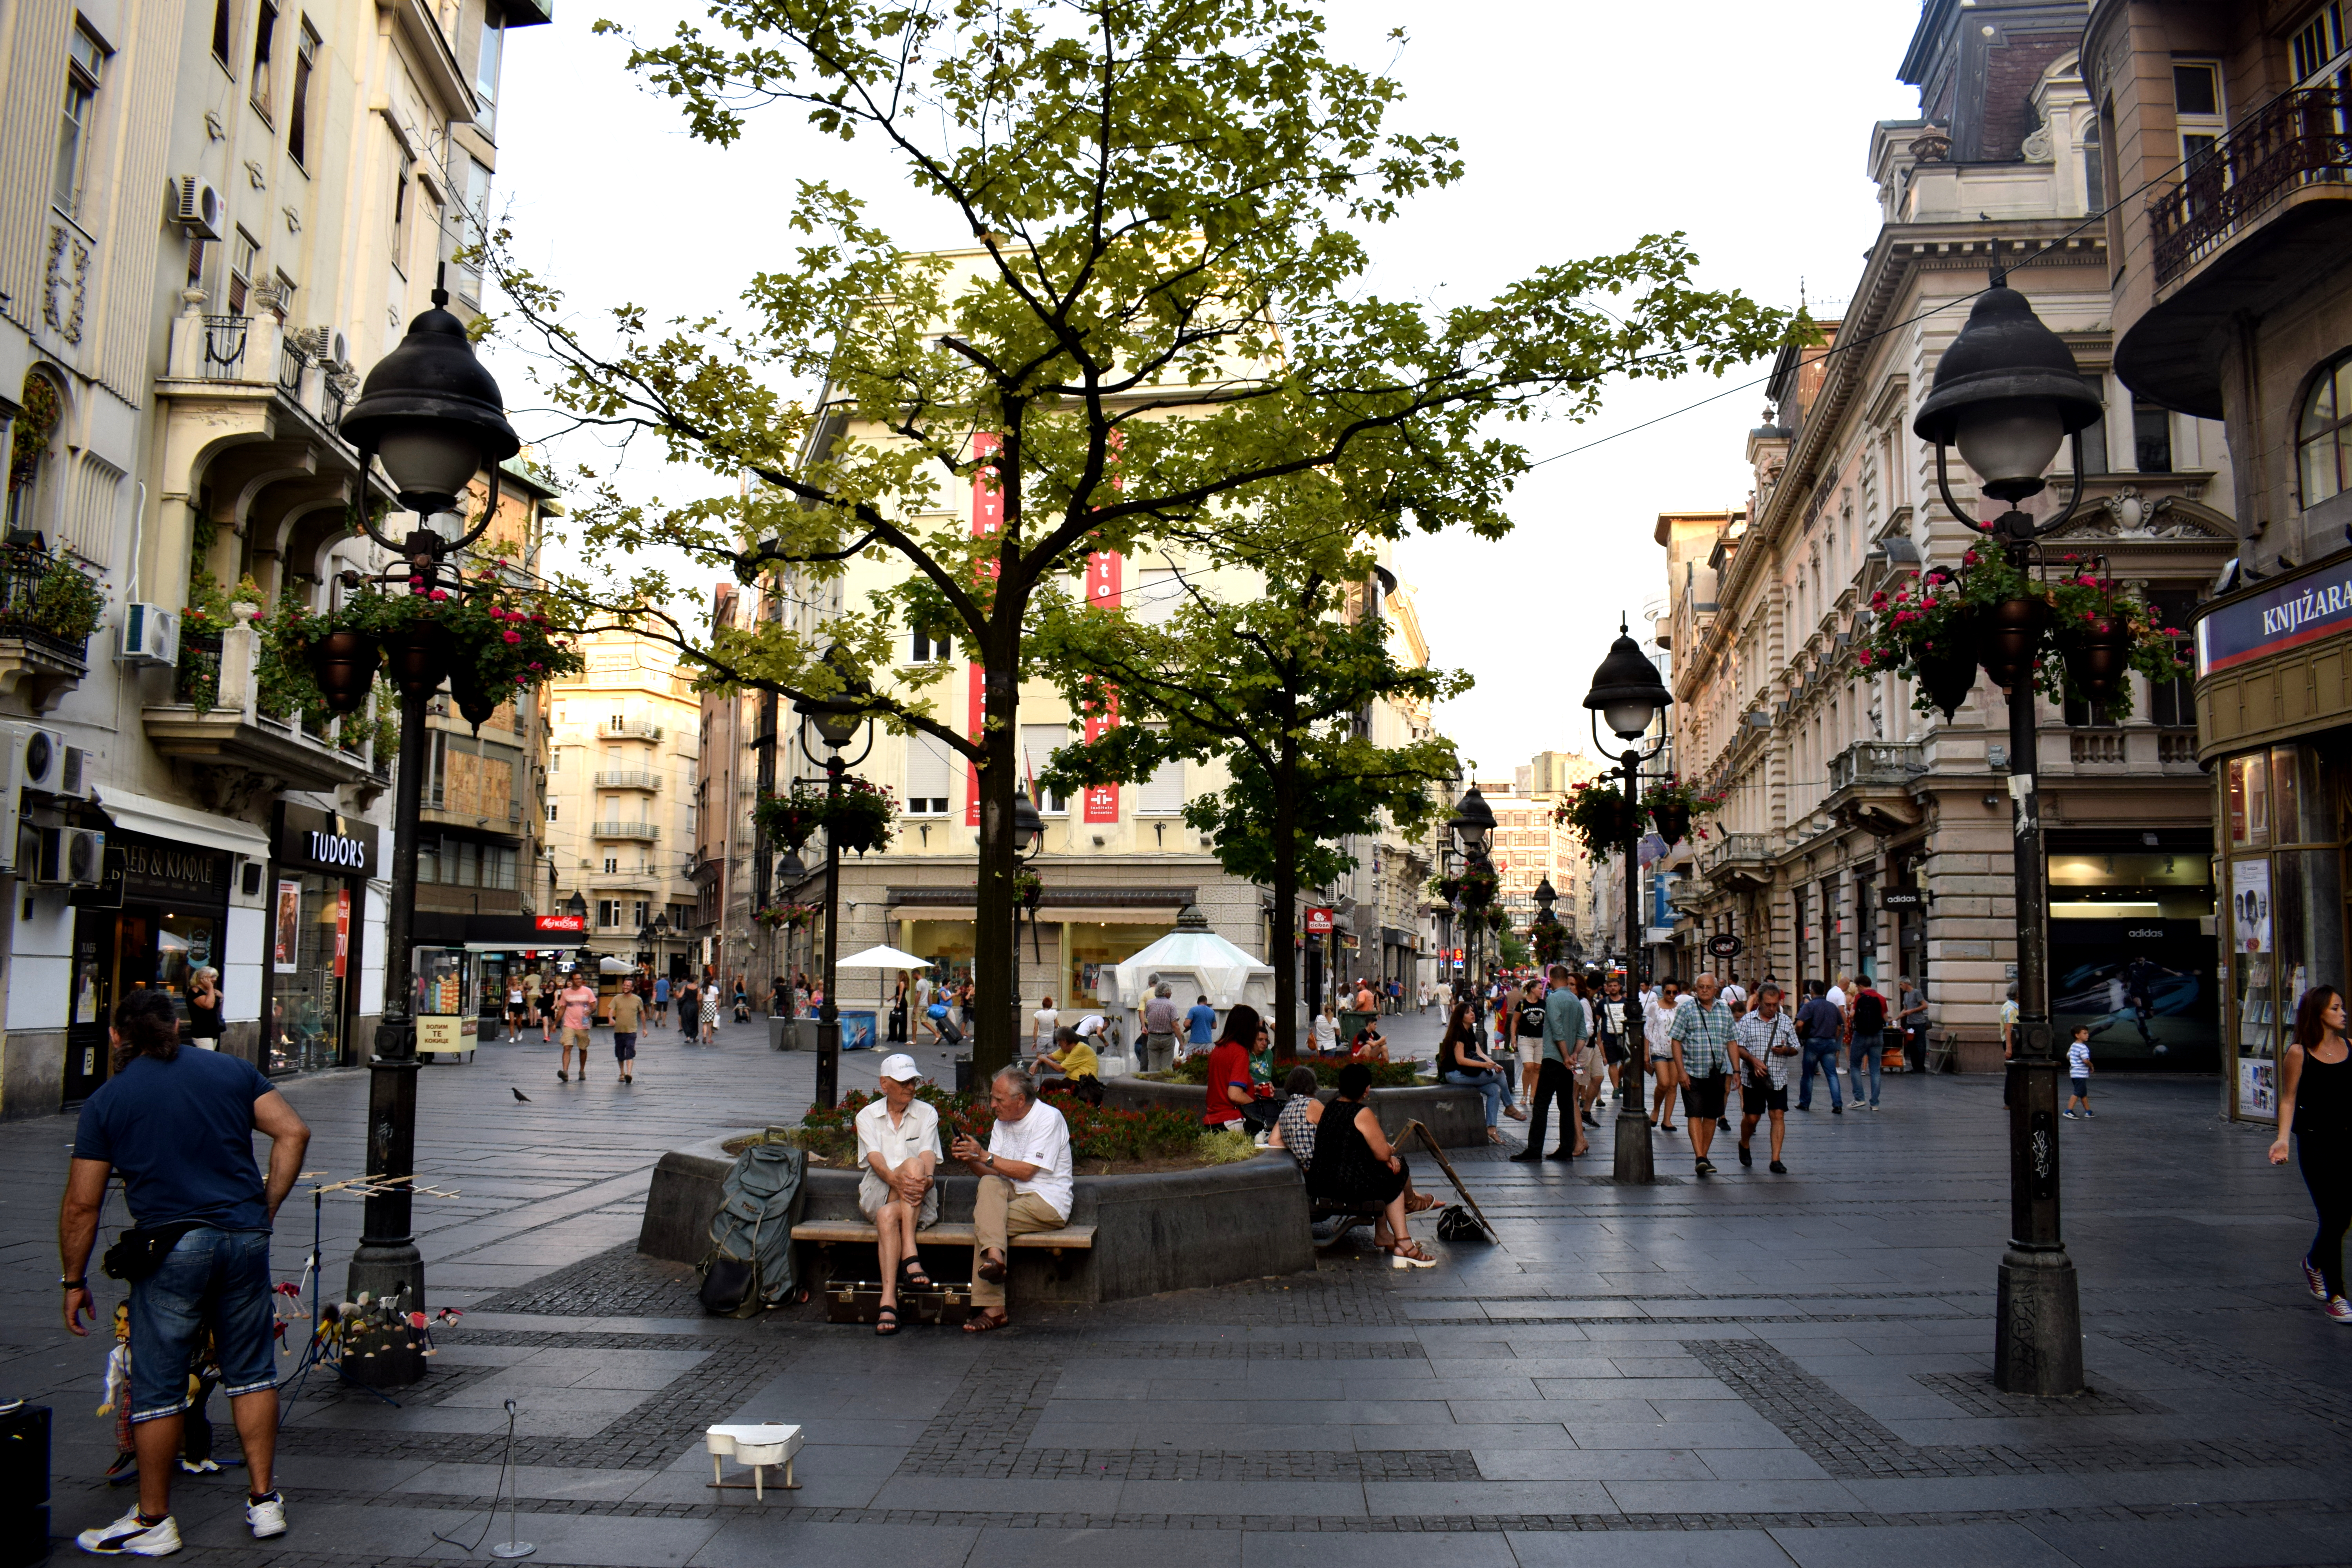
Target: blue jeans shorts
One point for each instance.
(219, 1277)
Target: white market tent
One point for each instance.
(1197, 962)
(887, 959)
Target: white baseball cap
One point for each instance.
(901, 1066)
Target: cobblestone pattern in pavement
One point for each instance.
(2314, 1400)
(615, 1283)
(1974, 1393)
(1848, 1442)
(648, 1436)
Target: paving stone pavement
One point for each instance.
(1736, 1370)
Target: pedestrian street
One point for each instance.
(1748, 1369)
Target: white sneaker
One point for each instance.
(267, 1517)
(128, 1536)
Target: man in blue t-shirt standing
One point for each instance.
(1200, 1026)
(178, 1125)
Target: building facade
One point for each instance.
(215, 215)
(1861, 835)
(621, 814)
(2225, 129)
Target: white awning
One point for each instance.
(881, 958)
(162, 819)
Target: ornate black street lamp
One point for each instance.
(1626, 695)
(2007, 393)
(836, 721)
(1472, 827)
(433, 417)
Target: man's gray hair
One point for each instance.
(1023, 1084)
(1165, 990)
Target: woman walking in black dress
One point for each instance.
(2315, 1107)
(1354, 1164)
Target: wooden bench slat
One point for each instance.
(1079, 1236)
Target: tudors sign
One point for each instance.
(2311, 605)
(311, 840)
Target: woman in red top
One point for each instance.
(1229, 1068)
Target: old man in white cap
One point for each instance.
(898, 1149)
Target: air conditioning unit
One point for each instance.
(325, 345)
(151, 634)
(196, 207)
(69, 856)
(33, 758)
(74, 779)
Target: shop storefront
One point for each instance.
(2275, 725)
(2133, 953)
(159, 914)
(318, 870)
(466, 964)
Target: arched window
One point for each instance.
(2324, 436)
(28, 449)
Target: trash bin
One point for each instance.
(1350, 1021)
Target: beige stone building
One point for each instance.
(1861, 835)
(622, 816)
(215, 216)
(2232, 300)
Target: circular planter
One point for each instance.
(2096, 663)
(418, 659)
(344, 666)
(1949, 680)
(2009, 640)
(1455, 1116)
(1170, 1230)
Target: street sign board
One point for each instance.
(1318, 921)
(1901, 899)
(559, 922)
(1724, 946)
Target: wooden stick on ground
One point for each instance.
(1446, 1165)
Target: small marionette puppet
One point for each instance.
(117, 1399)
(204, 1377)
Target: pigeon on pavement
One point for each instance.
(517, 1094)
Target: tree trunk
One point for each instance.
(1284, 942)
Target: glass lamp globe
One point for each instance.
(2010, 443)
(1628, 721)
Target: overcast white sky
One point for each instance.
(1583, 127)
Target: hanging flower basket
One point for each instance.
(344, 665)
(1027, 889)
(1671, 804)
(1479, 886)
(1946, 679)
(791, 819)
(2103, 633)
(785, 917)
(860, 817)
(1597, 814)
(1446, 890)
(2010, 641)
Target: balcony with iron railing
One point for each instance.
(628, 778)
(2297, 142)
(631, 730)
(212, 355)
(1726, 858)
(46, 621)
(219, 720)
(647, 831)
(1875, 763)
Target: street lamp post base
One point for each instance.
(2038, 1332)
(384, 1271)
(1633, 1159)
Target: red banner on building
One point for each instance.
(987, 518)
(559, 922)
(1104, 592)
(343, 931)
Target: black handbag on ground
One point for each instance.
(1455, 1222)
(140, 1251)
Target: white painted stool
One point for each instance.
(757, 1446)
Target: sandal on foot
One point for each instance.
(1419, 1201)
(886, 1322)
(1409, 1254)
(912, 1276)
(985, 1322)
(991, 1269)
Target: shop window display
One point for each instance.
(2286, 917)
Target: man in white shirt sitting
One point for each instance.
(1024, 1185)
(897, 1149)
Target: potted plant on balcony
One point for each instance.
(2102, 633)
(1596, 814)
(1670, 804)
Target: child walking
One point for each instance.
(2078, 1067)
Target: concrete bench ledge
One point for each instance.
(1076, 1237)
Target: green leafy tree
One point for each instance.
(1511, 948)
(1276, 687)
(1163, 316)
